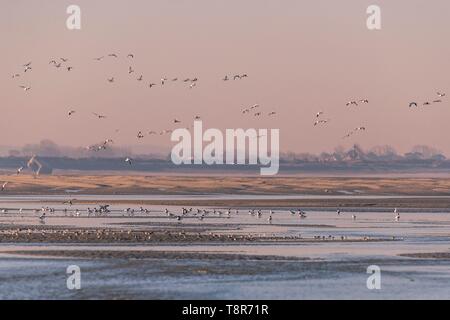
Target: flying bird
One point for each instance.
(320, 122)
(129, 161)
(99, 115)
(111, 80)
(130, 56)
(25, 88)
(71, 112)
(4, 186)
(413, 104)
(19, 170)
(440, 94)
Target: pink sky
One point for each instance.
(301, 57)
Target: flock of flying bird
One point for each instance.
(255, 110)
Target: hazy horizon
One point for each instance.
(301, 58)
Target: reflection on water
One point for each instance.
(336, 269)
(221, 279)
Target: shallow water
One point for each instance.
(336, 269)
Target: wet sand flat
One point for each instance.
(85, 184)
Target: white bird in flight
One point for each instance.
(99, 115)
(25, 88)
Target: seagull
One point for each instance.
(364, 101)
(440, 94)
(272, 113)
(197, 118)
(257, 114)
(152, 85)
(99, 58)
(112, 55)
(71, 112)
(130, 70)
(353, 217)
(152, 132)
(27, 64)
(318, 114)
(254, 106)
(426, 103)
(192, 85)
(176, 121)
(352, 103)
(19, 170)
(130, 56)
(99, 115)
(27, 68)
(25, 88)
(175, 79)
(128, 160)
(64, 60)
(225, 78)
(4, 186)
(15, 75)
(437, 101)
(163, 80)
(140, 135)
(413, 104)
(111, 80)
(320, 122)
(69, 68)
(140, 78)
(52, 62)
